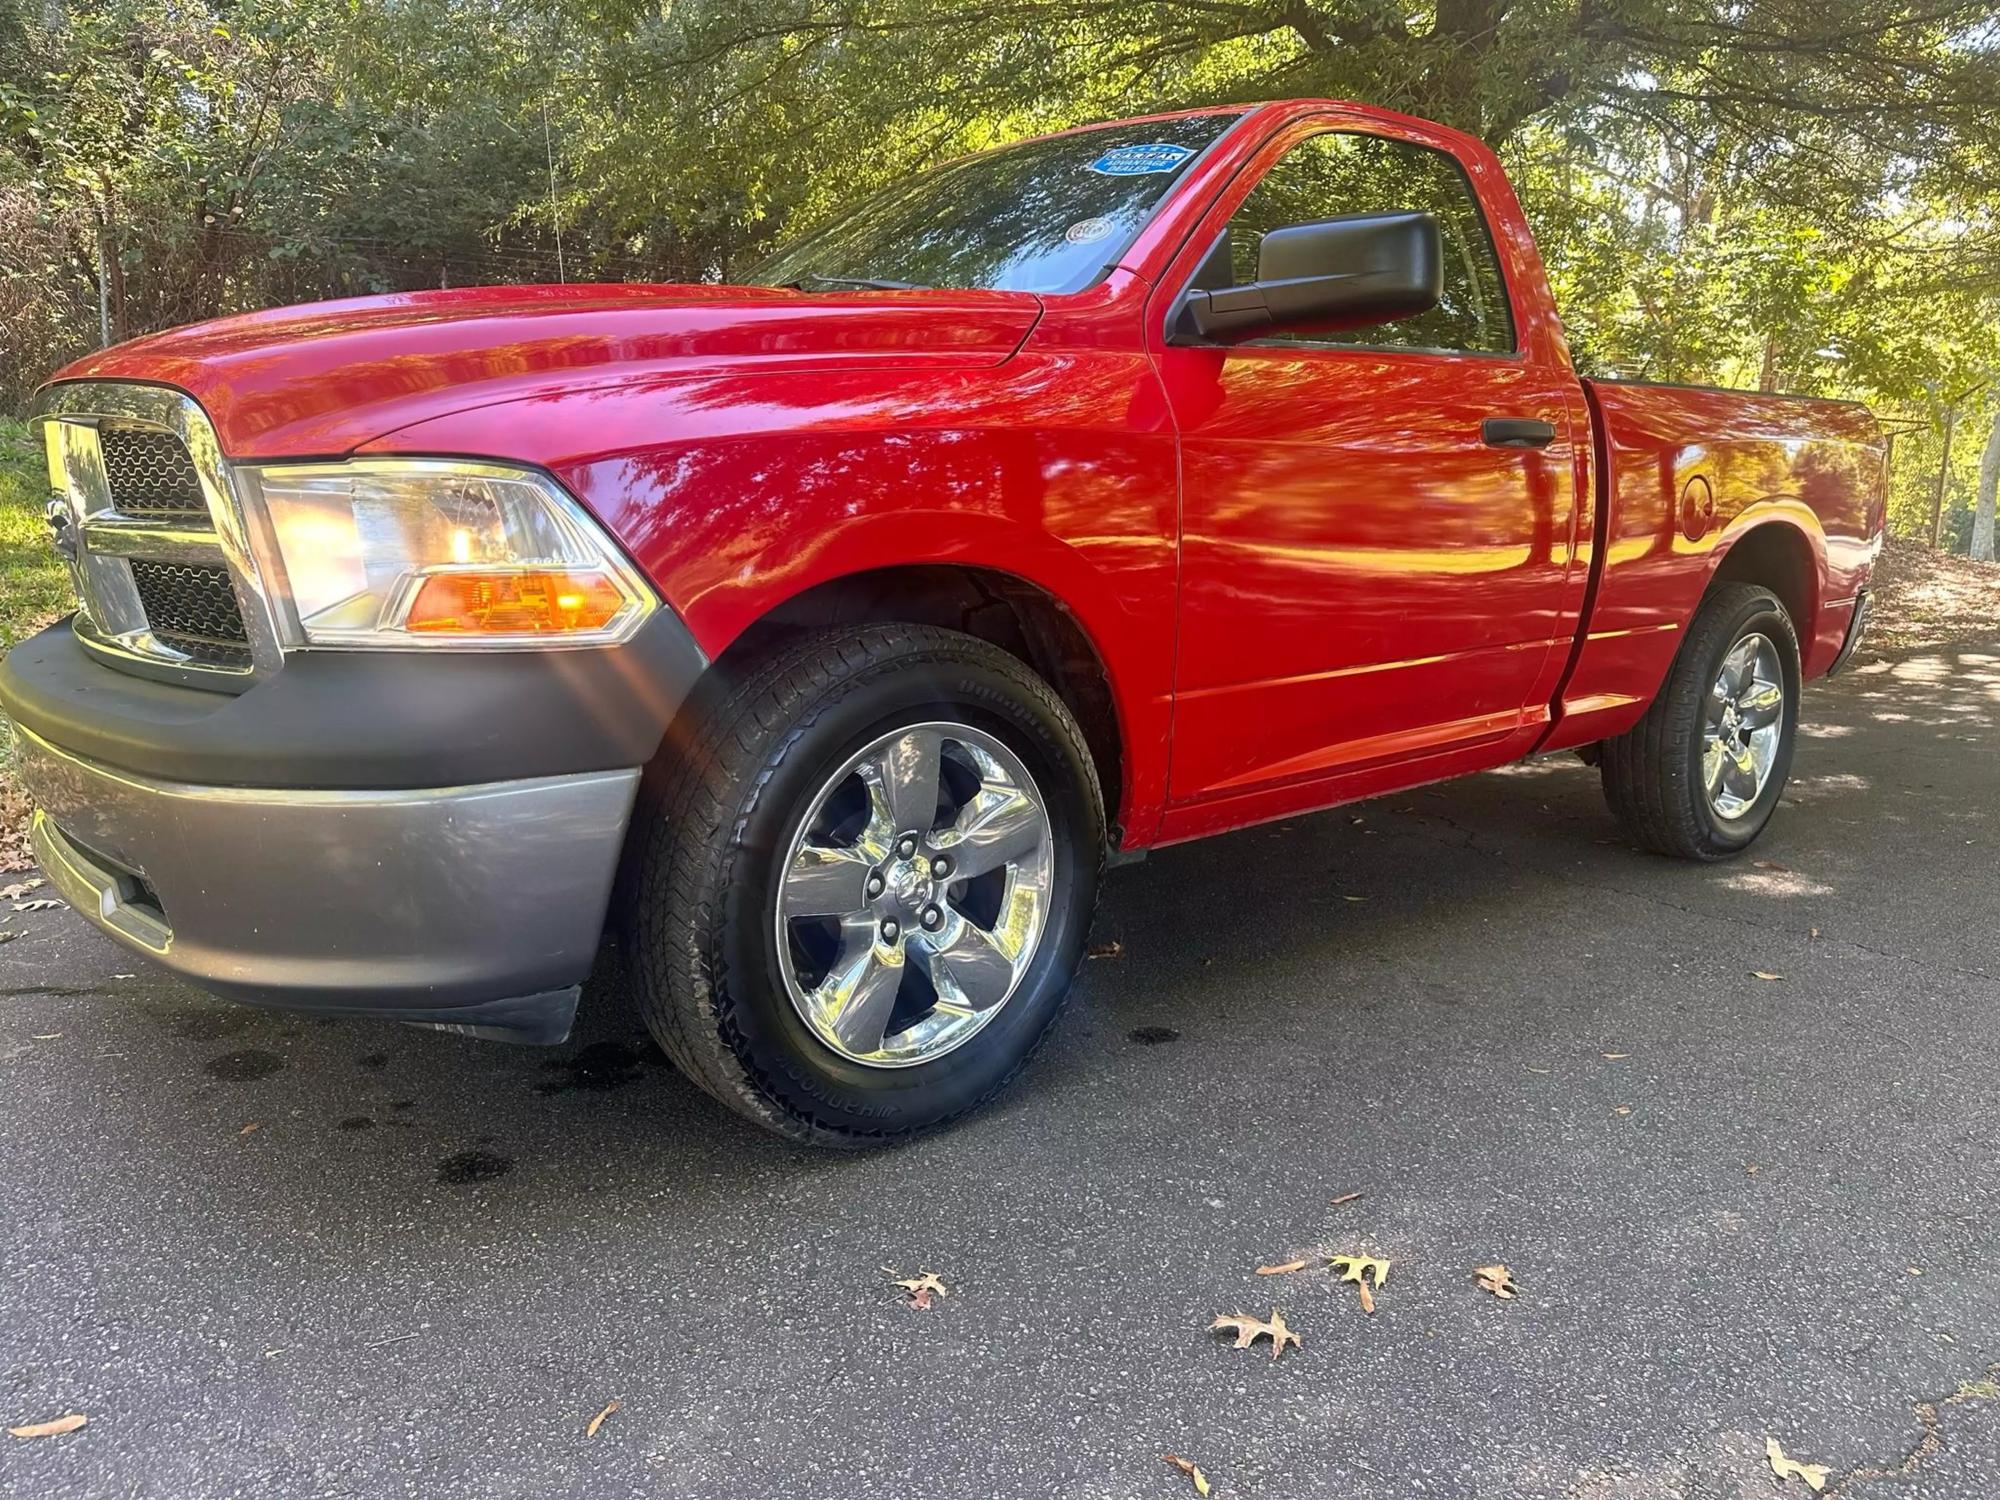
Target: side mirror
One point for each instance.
(1351, 272)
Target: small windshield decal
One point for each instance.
(1089, 231)
(1140, 160)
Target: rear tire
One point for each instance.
(807, 769)
(1700, 775)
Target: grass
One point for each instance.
(33, 590)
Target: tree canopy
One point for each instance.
(1797, 194)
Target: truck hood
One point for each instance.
(317, 381)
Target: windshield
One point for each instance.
(1044, 216)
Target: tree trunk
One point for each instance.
(1989, 482)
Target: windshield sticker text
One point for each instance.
(1141, 160)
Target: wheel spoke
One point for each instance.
(858, 995)
(1761, 704)
(967, 966)
(997, 827)
(1739, 776)
(905, 780)
(1714, 762)
(826, 882)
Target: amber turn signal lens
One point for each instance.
(541, 602)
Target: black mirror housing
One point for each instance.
(1351, 272)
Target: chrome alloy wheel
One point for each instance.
(914, 894)
(1742, 727)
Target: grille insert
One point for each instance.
(149, 473)
(192, 607)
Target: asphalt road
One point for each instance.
(1773, 1214)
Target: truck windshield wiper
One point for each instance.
(873, 283)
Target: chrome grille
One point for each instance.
(149, 473)
(167, 585)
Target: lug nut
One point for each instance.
(874, 885)
(940, 867)
(932, 916)
(907, 848)
(889, 930)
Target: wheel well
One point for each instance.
(1776, 557)
(1019, 617)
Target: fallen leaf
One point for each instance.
(1772, 864)
(1623, 1109)
(1786, 1468)
(1498, 1280)
(8, 937)
(46, 903)
(918, 1290)
(1112, 949)
(1534, 1069)
(253, 1125)
(598, 1420)
(1345, 1198)
(1367, 1297)
(19, 889)
(1248, 1330)
(1358, 1268)
(56, 1428)
(1286, 1269)
(1354, 898)
(1764, 974)
(1616, 1056)
(1815, 932)
(1751, 1168)
(1190, 1468)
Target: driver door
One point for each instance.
(1371, 573)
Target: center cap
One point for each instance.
(911, 881)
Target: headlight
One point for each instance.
(420, 552)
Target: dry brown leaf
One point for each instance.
(1622, 1109)
(1772, 864)
(19, 889)
(1764, 974)
(46, 903)
(1112, 949)
(1751, 1168)
(1190, 1468)
(1345, 1198)
(1248, 1330)
(1498, 1280)
(1367, 1297)
(1815, 1475)
(1358, 1268)
(1285, 1270)
(1815, 932)
(918, 1290)
(253, 1125)
(56, 1428)
(598, 1420)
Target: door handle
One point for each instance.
(1517, 432)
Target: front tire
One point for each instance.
(866, 882)
(1700, 775)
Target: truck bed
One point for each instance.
(1688, 482)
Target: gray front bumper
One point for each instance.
(470, 906)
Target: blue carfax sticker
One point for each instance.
(1140, 161)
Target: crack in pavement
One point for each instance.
(1929, 1417)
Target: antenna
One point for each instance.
(549, 150)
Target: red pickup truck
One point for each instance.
(827, 635)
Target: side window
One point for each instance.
(1339, 173)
